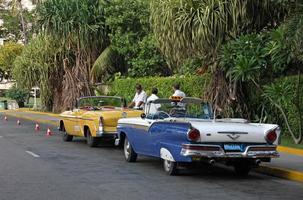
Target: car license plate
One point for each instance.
(233, 147)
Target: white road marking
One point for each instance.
(32, 154)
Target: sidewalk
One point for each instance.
(47, 118)
(288, 166)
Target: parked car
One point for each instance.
(95, 118)
(185, 131)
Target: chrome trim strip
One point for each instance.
(222, 154)
(137, 126)
(232, 132)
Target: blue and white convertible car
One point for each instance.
(184, 131)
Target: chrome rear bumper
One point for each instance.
(216, 151)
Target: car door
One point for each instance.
(77, 113)
(140, 136)
(69, 119)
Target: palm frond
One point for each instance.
(105, 64)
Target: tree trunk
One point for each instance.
(76, 82)
(23, 23)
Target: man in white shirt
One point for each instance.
(177, 91)
(139, 99)
(151, 107)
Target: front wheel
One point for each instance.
(242, 168)
(129, 153)
(90, 140)
(170, 167)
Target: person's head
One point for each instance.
(176, 86)
(138, 88)
(155, 91)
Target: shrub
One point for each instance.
(286, 93)
(192, 85)
(17, 94)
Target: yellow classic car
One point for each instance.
(95, 117)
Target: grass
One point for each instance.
(288, 142)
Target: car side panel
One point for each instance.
(149, 141)
(69, 120)
(139, 138)
(171, 136)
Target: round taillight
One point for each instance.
(193, 135)
(271, 137)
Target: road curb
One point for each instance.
(38, 112)
(45, 121)
(281, 173)
(290, 150)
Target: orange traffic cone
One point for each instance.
(18, 122)
(5, 118)
(37, 127)
(48, 132)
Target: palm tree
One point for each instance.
(189, 28)
(78, 26)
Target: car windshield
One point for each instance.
(98, 103)
(179, 110)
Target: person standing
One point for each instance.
(140, 98)
(152, 107)
(177, 91)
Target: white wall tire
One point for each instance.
(129, 153)
(170, 167)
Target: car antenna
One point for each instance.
(215, 107)
(215, 110)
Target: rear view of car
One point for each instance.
(185, 131)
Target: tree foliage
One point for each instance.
(39, 65)
(8, 53)
(131, 42)
(190, 28)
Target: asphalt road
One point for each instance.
(33, 166)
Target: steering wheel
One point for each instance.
(162, 114)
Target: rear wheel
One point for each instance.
(170, 167)
(90, 140)
(242, 168)
(66, 137)
(129, 153)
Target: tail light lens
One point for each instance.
(101, 125)
(271, 136)
(193, 135)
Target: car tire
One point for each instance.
(66, 137)
(170, 167)
(242, 168)
(129, 153)
(90, 140)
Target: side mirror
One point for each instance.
(143, 116)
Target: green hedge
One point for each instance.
(192, 85)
